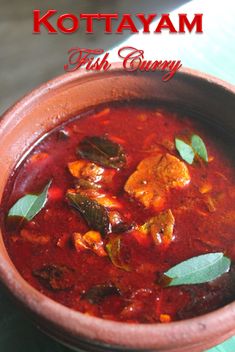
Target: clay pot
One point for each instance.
(55, 102)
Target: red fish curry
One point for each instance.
(127, 213)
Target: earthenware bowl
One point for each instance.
(55, 102)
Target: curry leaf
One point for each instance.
(98, 293)
(113, 248)
(30, 205)
(188, 152)
(102, 151)
(94, 213)
(197, 270)
(199, 147)
(185, 150)
(56, 277)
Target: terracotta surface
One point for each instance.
(55, 102)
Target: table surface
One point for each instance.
(211, 52)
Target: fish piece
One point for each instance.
(86, 170)
(161, 227)
(35, 238)
(91, 240)
(154, 177)
(172, 172)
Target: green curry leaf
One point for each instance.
(199, 147)
(197, 270)
(188, 152)
(103, 151)
(30, 205)
(185, 150)
(94, 213)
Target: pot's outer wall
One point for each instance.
(54, 103)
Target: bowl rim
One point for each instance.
(68, 77)
(76, 324)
